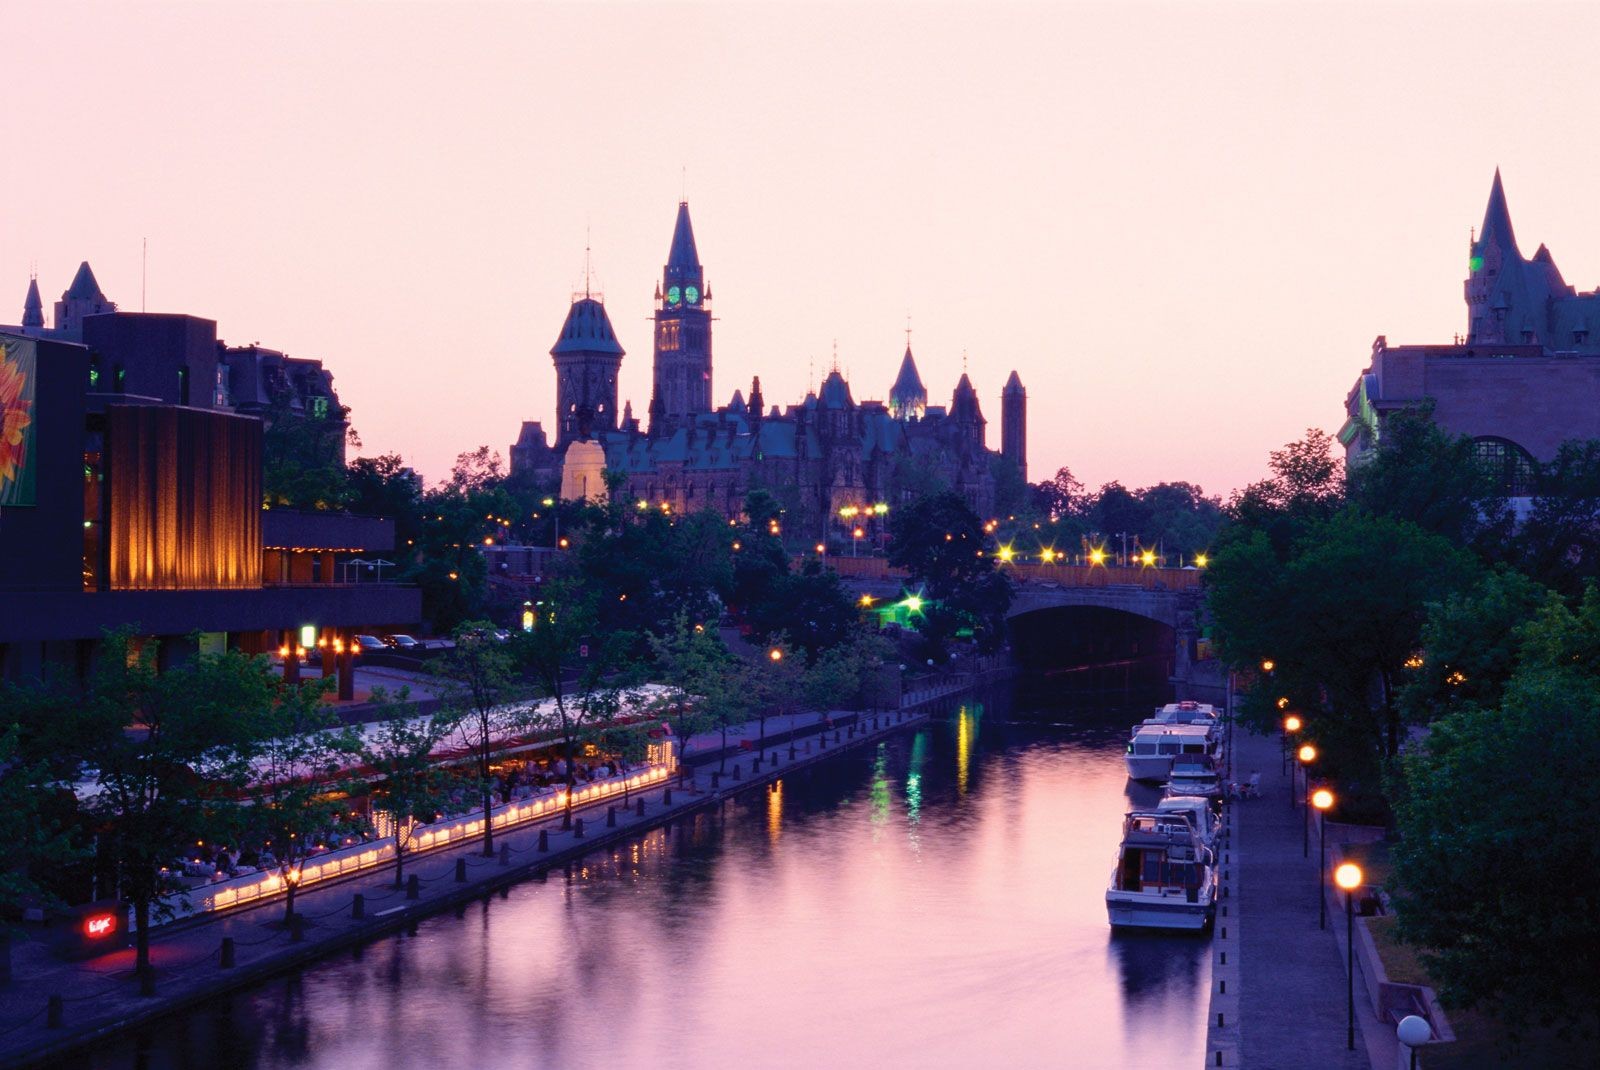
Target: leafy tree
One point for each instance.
(1422, 474)
(384, 486)
(1559, 542)
(1011, 491)
(1306, 486)
(302, 456)
(1471, 646)
(811, 608)
(168, 753)
(1061, 497)
(406, 783)
(1500, 900)
(695, 670)
(33, 841)
(298, 751)
(775, 685)
(940, 542)
(1340, 618)
(581, 670)
(481, 685)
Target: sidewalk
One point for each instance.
(100, 995)
(1290, 976)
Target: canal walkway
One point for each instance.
(52, 1006)
(1279, 986)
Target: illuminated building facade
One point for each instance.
(142, 502)
(1523, 379)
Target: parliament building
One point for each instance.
(827, 453)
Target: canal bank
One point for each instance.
(1279, 994)
(52, 1007)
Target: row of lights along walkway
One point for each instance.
(80, 1002)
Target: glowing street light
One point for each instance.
(1349, 877)
(1322, 799)
(1006, 554)
(1097, 556)
(1305, 755)
(776, 654)
(1292, 724)
(1147, 558)
(1200, 560)
(1267, 665)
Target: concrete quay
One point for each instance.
(1278, 995)
(53, 1006)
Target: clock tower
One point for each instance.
(682, 381)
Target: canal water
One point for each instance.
(936, 901)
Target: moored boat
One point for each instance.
(1155, 746)
(1165, 877)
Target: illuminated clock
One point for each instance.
(672, 295)
(691, 294)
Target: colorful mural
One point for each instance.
(18, 367)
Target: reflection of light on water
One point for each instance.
(880, 789)
(775, 811)
(963, 748)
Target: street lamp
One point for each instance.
(1291, 725)
(1348, 877)
(1322, 798)
(1306, 755)
(1413, 1031)
(1267, 665)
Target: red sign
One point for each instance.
(100, 924)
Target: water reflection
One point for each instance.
(936, 900)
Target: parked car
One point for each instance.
(403, 643)
(369, 644)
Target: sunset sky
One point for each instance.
(1183, 224)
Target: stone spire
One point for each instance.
(908, 398)
(1014, 423)
(33, 307)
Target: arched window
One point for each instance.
(1511, 466)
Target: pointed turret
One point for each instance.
(84, 286)
(1497, 220)
(756, 400)
(964, 402)
(908, 398)
(33, 307)
(684, 257)
(1014, 423)
(83, 298)
(682, 370)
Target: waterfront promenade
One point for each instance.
(52, 1005)
(1281, 990)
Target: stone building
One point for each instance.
(1523, 379)
(825, 453)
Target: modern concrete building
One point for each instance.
(1523, 379)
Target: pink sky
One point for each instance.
(1183, 224)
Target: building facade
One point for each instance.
(826, 453)
(1523, 379)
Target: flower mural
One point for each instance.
(17, 369)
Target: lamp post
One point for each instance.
(1306, 755)
(1348, 877)
(1413, 1031)
(1322, 798)
(549, 502)
(1291, 726)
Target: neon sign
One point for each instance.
(100, 924)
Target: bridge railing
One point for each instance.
(1169, 579)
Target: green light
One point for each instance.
(912, 603)
(691, 294)
(672, 295)
(1475, 265)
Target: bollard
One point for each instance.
(413, 887)
(577, 828)
(544, 840)
(791, 752)
(611, 817)
(297, 928)
(52, 1015)
(755, 766)
(358, 908)
(461, 871)
(566, 820)
(836, 735)
(716, 779)
(505, 854)
(666, 797)
(736, 772)
(774, 759)
(226, 959)
(640, 808)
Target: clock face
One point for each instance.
(672, 295)
(691, 293)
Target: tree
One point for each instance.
(1306, 486)
(406, 785)
(695, 670)
(168, 753)
(811, 608)
(298, 752)
(581, 670)
(384, 486)
(940, 541)
(1061, 497)
(302, 456)
(1502, 904)
(481, 681)
(1559, 542)
(33, 841)
(775, 684)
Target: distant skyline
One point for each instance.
(1182, 224)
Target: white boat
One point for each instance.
(1200, 812)
(1155, 746)
(1165, 877)
(1185, 713)
(1194, 775)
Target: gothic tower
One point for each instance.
(33, 308)
(1014, 423)
(587, 357)
(682, 381)
(1493, 273)
(83, 298)
(908, 398)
